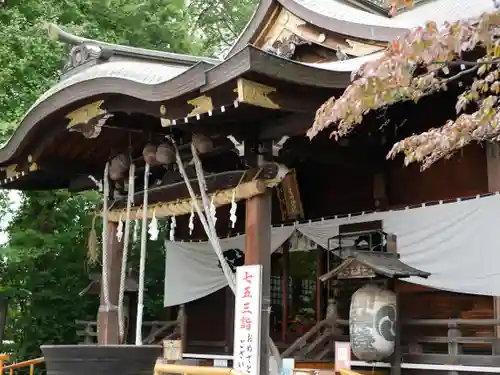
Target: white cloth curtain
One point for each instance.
(456, 242)
(192, 268)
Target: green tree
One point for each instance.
(43, 266)
(43, 270)
(218, 23)
(31, 61)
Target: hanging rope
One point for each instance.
(203, 219)
(202, 183)
(126, 241)
(105, 266)
(142, 263)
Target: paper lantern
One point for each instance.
(149, 154)
(165, 154)
(372, 323)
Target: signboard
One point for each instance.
(355, 270)
(172, 350)
(247, 315)
(287, 366)
(342, 356)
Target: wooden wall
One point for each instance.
(332, 189)
(465, 174)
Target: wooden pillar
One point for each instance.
(229, 328)
(493, 170)
(258, 251)
(285, 267)
(319, 285)
(107, 318)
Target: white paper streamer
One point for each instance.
(191, 220)
(135, 236)
(119, 229)
(232, 211)
(153, 228)
(173, 224)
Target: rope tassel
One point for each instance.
(105, 266)
(126, 241)
(142, 263)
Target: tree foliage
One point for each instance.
(43, 267)
(31, 61)
(426, 60)
(218, 23)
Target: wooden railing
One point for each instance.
(164, 368)
(154, 331)
(454, 343)
(317, 343)
(14, 366)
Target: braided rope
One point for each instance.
(273, 350)
(214, 241)
(211, 219)
(105, 265)
(142, 263)
(126, 241)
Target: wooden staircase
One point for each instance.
(317, 344)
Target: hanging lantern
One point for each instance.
(165, 154)
(118, 166)
(202, 143)
(149, 154)
(372, 323)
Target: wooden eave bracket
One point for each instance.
(254, 93)
(13, 173)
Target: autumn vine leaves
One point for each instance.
(438, 53)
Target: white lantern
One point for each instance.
(372, 323)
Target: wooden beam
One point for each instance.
(460, 359)
(229, 325)
(107, 317)
(285, 268)
(258, 251)
(291, 124)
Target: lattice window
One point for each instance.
(276, 291)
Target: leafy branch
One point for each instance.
(417, 65)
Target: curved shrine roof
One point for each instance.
(182, 89)
(131, 78)
(342, 17)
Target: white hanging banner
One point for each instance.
(247, 319)
(193, 270)
(456, 242)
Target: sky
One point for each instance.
(15, 201)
